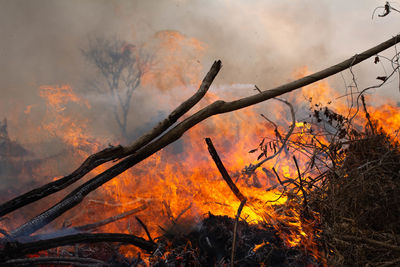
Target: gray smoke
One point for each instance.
(259, 42)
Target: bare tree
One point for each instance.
(122, 66)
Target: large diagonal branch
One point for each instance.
(112, 153)
(218, 107)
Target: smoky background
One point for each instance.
(259, 42)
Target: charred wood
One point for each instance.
(12, 250)
(145, 228)
(93, 226)
(176, 132)
(223, 171)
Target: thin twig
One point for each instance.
(145, 228)
(96, 225)
(183, 212)
(239, 211)
(367, 114)
(284, 141)
(301, 185)
(370, 242)
(169, 211)
(394, 262)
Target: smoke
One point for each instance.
(259, 42)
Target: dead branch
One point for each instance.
(223, 171)
(360, 93)
(301, 187)
(218, 107)
(55, 261)
(105, 203)
(112, 153)
(145, 228)
(14, 250)
(239, 211)
(390, 263)
(371, 242)
(89, 164)
(367, 114)
(273, 124)
(284, 141)
(93, 226)
(183, 212)
(387, 8)
(168, 211)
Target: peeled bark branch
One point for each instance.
(218, 107)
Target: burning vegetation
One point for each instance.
(324, 190)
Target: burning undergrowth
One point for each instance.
(210, 244)
(292, 206)
(358, 202)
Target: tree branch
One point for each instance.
(218, 107)
(55, 261)
(112, 153)
(223, 171)
(15, 249)
(98, 224)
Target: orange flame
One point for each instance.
(181, 182)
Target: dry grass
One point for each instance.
(359, 204)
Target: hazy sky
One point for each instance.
(259, 41)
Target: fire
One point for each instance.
(58, 96)
(71, 130)
(178, 61)
(258, 246)
(181, 184)
(28, 109)
(387, 116)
